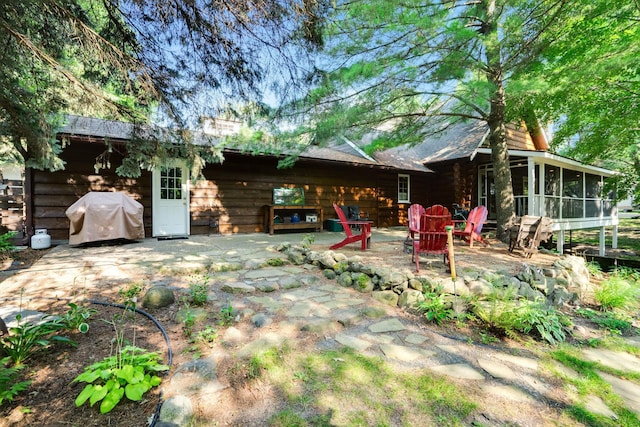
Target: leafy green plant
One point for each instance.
(9, 386)
(226, 314)
(77, 316)
(188, 322)
(594, 269)
(26, 339)
(434, 307)
(627, 273)
(614, 292)
(131, 293)
(511, 317)
(206, 336)
(6, 242)
(307, 240)
(610, 321)
(547, 322)
(131, 373)
(200, 290)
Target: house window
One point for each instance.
(403, 188)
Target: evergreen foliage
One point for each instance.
(404, 71)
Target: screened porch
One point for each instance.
(571, 193)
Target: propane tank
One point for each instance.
(40, 240)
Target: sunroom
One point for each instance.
(569, 192)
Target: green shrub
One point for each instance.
(629, 274)
(610, 321)
(595, 270)
(511, 317)
(547, 322)
(6, 242)
(226, 314)
(614, 292)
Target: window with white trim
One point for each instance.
(404, 187)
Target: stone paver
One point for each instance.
(352, 342)
(459, 370)
(496, 369)
(613, 359)
(628, 390)
(389, 325)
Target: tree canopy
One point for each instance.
(127, 59)
(416, 67)
(590, 87)
(419, 67)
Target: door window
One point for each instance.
(170, 183)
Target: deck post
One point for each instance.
(601, 245)
(560, 243)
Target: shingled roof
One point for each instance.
(459, 142)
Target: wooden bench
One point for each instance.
(527, 232)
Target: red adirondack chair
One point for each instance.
(432, 237)
(472, 226)
(413, 219)
(364, 235)
(437, 210)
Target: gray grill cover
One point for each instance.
(100, 216)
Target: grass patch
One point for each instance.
(587, 381)
(626, 235)
(340, 387)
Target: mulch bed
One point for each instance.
(50, 399)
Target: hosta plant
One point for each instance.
(27, 338)
(130, 373)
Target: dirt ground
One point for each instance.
(50, 398)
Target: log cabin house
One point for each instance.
(234, 196)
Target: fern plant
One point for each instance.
(10, 387)
(615, 292)
(434, 307)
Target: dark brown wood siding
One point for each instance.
(454, 182)
(235, 193)
(232, 197)
(54, 192)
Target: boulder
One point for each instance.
(157, 297)
(410, 298)
(386, 297)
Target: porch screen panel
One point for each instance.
(552, 191)
(573, 194)
(593, 197)
(520, 185)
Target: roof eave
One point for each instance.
(554, 159)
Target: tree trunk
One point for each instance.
(505, 206)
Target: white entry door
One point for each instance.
(171, 201)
